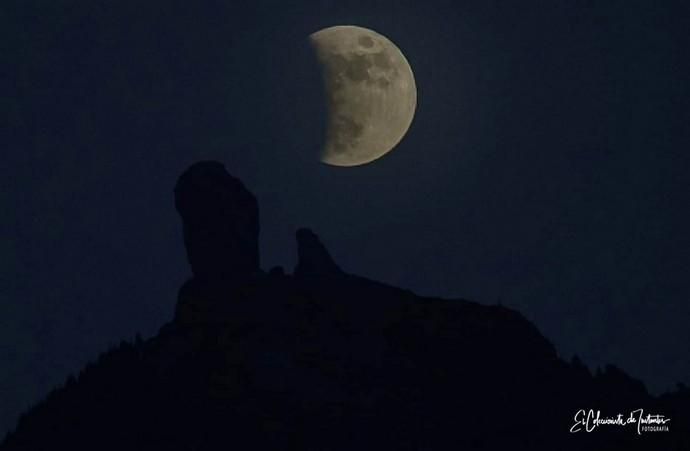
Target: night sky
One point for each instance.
(545, 169)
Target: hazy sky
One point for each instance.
(546, 167)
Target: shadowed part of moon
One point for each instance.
(371, 94)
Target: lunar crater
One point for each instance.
(374, 69)
(346, 133)
(365, 41)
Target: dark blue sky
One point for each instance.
(546, 167)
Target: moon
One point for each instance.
(370, 90)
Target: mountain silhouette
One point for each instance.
(322, 359)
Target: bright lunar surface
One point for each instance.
(371, 94)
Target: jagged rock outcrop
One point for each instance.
(220, 220)
(220, 223)
(313, 257)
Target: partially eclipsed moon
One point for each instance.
(371, 94)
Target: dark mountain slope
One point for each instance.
(324, 360)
